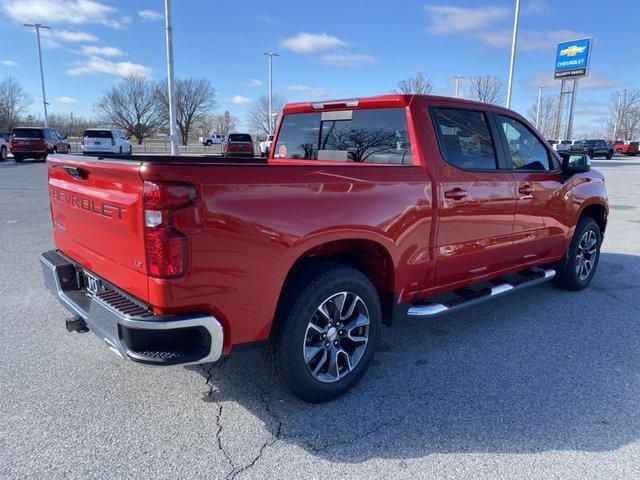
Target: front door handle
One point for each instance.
(455, 194)
(525, 189)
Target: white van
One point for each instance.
(105, 140)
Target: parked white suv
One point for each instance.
(562, 146)
(213, 139)
(105, 140)
(4, 149)
(265, 146)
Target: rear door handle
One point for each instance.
(525, 189)
(455, 194)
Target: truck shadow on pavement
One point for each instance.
(535, 371)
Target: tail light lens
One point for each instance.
(165, 245)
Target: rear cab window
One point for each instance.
(376, 135)
(97, 134)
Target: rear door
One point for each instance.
(543, 202)
(96, 209)
(98, 139)
(476, 197)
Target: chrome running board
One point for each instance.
(467, 297)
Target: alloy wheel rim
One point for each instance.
(336, 337)
(587, 251)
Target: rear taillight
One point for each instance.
(165, 245)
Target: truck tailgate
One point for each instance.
(96, 209)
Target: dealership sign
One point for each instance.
(572, 58)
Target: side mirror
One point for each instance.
(573, 163)
(64, 137)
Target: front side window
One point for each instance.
(359, 136)
(527, 152)
(465, 139)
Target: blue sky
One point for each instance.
(328, 49)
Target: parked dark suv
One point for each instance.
(37, 142)
(593, 148)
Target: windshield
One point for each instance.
(28, 133)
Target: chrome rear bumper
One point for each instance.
(127, 326)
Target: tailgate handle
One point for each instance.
(76, 172)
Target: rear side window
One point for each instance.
(362, 136)
(239, 137)
(465, 139)
(28, 133)
(97, 134)
(527, 152)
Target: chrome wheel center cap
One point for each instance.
(332, 334)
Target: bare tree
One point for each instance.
(195, 97)
(420, 83)
(14, 101)
(548, 114)
(69, 124)
(132, 106)
(487, 89)
(623, 122)
(258, 114)
(225, 123)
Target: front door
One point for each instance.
(476, 197)
(543, 202)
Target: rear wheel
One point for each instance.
(579, 265)
(3, 153)
(18, 158)
(325, 331)
(590, 153)
(609, 154)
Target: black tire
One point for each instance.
(609, 154)
(208, 143)
(567, 276)
(130, 150)
(306, 290)
(120, 150)
(3, 153)
(18, 158)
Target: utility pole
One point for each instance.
(457, 78)
(616, 115)
(271, 55)
(540, 87)
(514, 40)
(38, 26)
(173, 129)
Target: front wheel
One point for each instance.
(325, 332)
(609, 154)
(579, 265)
(3, 153)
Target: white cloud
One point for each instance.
(595, 81)
(104, 51)
(150, 15)
(74, 12)
(311, 42)
(528, 40)
(73, 36)
(9, 63)
(66, 100)
(537, 6)
(254, 82)
(100, 65)
(239, 100)
(308, 90)
(453, 19)
(346, 59)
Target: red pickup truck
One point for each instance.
(366, 210)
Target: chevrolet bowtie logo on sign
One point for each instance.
(572, 51)
(572, 58)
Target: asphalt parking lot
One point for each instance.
(538, 384)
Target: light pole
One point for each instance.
(271, 55)
(173, 129)
(540, 87)
(514, 40)
(457, 78)
(38, 26)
